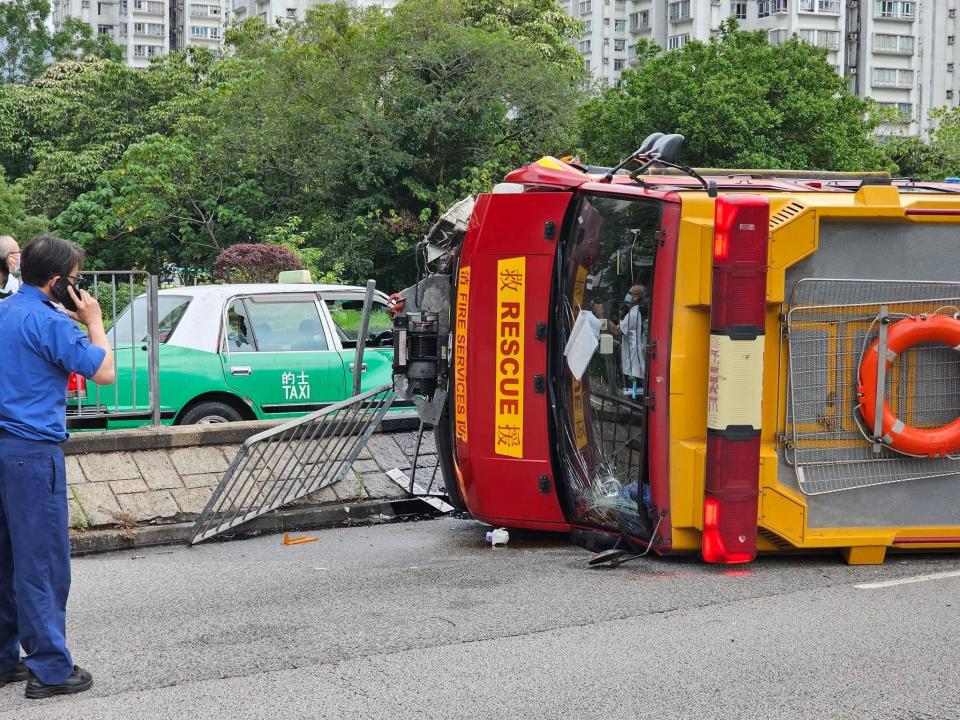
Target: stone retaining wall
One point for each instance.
(132, 477)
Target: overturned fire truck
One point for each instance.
(655, 358)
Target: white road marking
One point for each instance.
(908, 580)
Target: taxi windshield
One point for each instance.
(605, 277)
(130, 325)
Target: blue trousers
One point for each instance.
(34, 558)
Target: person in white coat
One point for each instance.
(632, 362)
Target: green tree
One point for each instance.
(933, 158)
(58, 134)
(28, 46)
(164, 201)
(543, 24)
(14, 220)
(364, 124)
(740, 102)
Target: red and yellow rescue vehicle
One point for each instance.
(726, 363)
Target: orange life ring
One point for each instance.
(903, 334)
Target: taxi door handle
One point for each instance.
(363, 367)
(241, 370)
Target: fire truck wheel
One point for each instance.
(210, 412)
(443, 435)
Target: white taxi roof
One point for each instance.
(199, 328)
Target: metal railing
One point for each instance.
(289, 462)
(130, 304)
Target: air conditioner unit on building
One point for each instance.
(852, 70)
(853, 37)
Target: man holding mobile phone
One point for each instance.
(42, 346)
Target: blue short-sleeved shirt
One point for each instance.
(39, 348)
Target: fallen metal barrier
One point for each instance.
(288, 462)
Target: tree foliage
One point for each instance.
(934, 158)
(254, 263)
(740, 102)
(356, 126)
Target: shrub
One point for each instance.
(253, 263)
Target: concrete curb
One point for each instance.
(178, 436)
(304, 518)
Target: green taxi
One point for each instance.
(240, 352)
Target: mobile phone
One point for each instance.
(62, 295)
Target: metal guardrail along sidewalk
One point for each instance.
(288, 462)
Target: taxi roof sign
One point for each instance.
(294, 276)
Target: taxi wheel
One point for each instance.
(210, 412)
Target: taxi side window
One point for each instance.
(346, 316)
(283, 324)
(239, 336)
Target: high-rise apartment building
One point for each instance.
(902, 53)
(273, 11)
(140, 27)
(147, 28)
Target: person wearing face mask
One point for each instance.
(630, 332)
(42, 345)
(10, 260)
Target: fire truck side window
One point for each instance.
(605, 285)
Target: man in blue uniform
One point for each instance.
(41, 347)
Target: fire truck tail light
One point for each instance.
(730, 504)
(76, 387)
(734, 392)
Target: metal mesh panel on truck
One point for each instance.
(830, 325)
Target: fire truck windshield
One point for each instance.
(605, 278)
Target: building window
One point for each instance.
(739, 10)
(619, 45)
(584, 46)
(586, 7)
(139, 50)
(675, 42)
(775, 37)
(904, 111)
(892, 77)
(292, 13)
(895, 9)
(781, 6)
(640, 20)
(829, 39)
(619, 25)
(104, 29)
(619, 64)
(586, 64)
(679, 10)
(205, 33)
(620, 5)
(827, 7)
(587, 25)
(763, 8)
(893, 44)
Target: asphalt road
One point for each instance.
(422, 620)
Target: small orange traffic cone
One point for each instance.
(287, 540)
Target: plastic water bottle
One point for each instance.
(500, 536)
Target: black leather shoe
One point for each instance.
(18, 674)
(79, 681)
